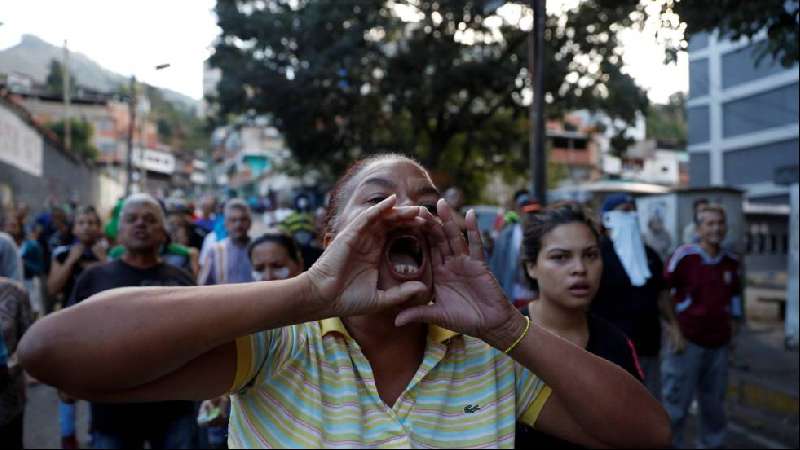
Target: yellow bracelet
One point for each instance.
(521, 337)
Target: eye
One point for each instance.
(376, 199)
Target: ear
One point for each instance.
(327, 239)
(530, 268)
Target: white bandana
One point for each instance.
(627, 239)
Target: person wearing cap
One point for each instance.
(505, 262)
(631, 285)
(180, 226)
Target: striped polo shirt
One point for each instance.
(309, 385)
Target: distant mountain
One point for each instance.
(32, 57)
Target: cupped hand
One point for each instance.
(344, 280)
(468, 298)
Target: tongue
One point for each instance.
(403, 258)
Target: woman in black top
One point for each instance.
(562, 255)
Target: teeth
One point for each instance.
(405, 268)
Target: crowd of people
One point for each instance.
(406, 331)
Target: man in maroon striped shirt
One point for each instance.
(706, 291)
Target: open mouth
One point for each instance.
(405, 257)
(580, 289)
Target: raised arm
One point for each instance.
(593, 402)
(177, 342)
(59, 273)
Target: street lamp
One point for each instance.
(131, 128)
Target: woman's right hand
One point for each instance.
(675, 338)
(344, 281)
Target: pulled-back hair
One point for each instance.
(539, 224)
(343, 188)
(280, 238)
(88, 210)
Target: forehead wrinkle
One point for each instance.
(388, 184)
(146, 209)
(382, 182)
(349, 190)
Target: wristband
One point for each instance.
(522, 336)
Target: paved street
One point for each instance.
(748, 428)
(41, 419)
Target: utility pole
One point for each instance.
(143, 107)
(131, 128)
(536, 71)
(65, 93)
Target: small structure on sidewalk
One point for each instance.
(792, 310)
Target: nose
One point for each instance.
(404, 200)
(579, 267)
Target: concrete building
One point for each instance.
(650, 161)
(744, 132)
(743, 119)
(36, 169)
(582, 143)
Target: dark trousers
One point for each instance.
(180, 434)
(11, 433)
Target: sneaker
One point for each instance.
(69, 442)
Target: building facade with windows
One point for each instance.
(743, 119)
(744, 132)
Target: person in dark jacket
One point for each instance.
(632, 285)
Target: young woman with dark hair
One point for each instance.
(562, 254)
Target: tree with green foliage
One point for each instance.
(81, 133)
(346, 79)
(780, 19)
(55, 79)
(667, 123)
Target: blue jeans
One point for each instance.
(66, 418)
(696, 371)
(180, 434)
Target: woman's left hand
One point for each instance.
(468, 298)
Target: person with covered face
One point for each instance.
(398, 336)
(275, 256)
(632, 287)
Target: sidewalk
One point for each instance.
(763, 373)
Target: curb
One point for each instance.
(756, 396)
